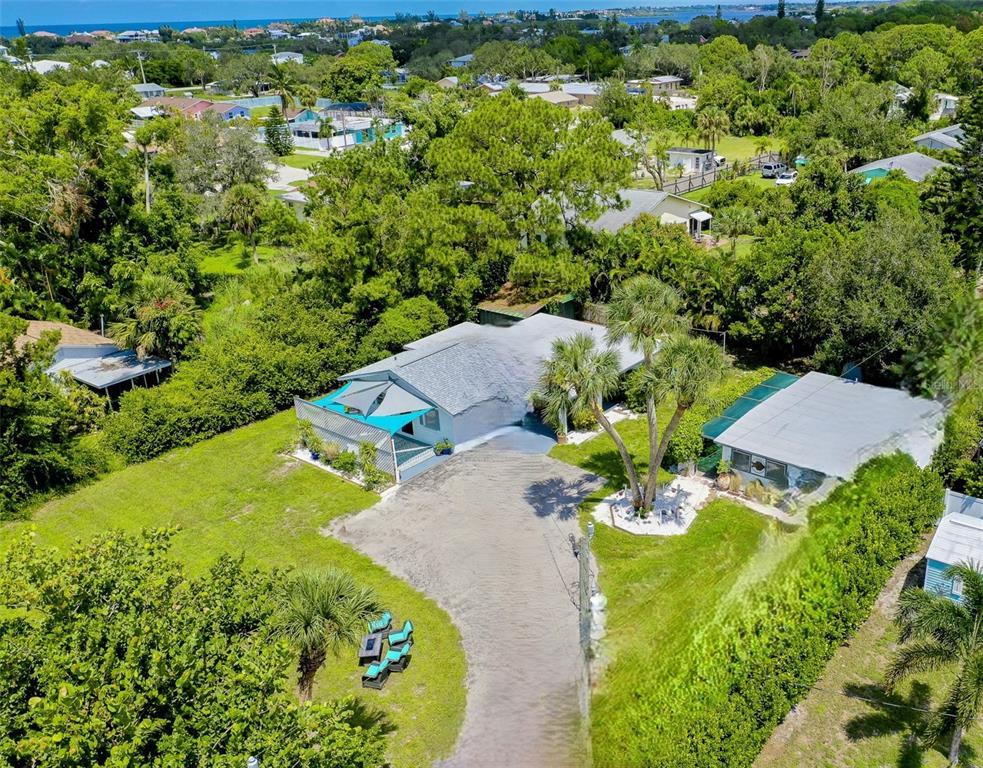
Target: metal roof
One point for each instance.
(832, 425)
(958, 539)
(750, 399)
(105, 370)
(914, 165)
(469, 364)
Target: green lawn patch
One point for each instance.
(235, 257)
(236, 494)
(298, 160)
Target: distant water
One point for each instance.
(67, 16)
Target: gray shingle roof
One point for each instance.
(832, 425)
(469, 364)
(914, 165)
(950, 137)
(638, 201)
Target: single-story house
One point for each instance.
(287, 56)
(228, 110)
(296, 200)
(950, 137)
(149, 91)
(943, 105)
(456, 385)
(666, 207)
(585, 93)
(822, 426)
(663, 83)
(958, 540)
(97, 362)
(558, 98)
(914, 165)
(507, 307)
(191, 108)
(690, 160)
(461, 61)
(448, 82)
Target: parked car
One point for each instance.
(786, 178)
(772, 170)
(719, 160)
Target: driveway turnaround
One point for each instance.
(487, 535)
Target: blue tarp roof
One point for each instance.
(390, 424)
(753, 397)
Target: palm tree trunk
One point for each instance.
(651, 487)
(307, 669)
(636, 494)
(653, 423)
(957, 740)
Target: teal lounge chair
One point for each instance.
(404, 635)
(381, 624)
(375, 676)
(399, 658)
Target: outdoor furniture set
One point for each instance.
(396, 659)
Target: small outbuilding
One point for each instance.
(958, 540)
(690, 160)
(149, 91)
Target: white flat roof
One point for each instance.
(958, 539)
(833, 425)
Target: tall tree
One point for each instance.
(278, 137)
(712, 123)
(162, 318)
(781, 9)
(321, 613)
(242, 210)
(936, 634)
(284, 83)
(820, 11)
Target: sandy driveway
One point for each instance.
(486, 535)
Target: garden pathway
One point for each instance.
(486, 534)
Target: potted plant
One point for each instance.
(443, 448)
(724, 477)
(311, 440)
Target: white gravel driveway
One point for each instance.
(485, 534)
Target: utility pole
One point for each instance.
(143, 77)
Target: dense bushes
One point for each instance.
(958, 458)
(761, 655)
(291, 346)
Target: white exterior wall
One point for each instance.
(434, 436)
(689, 163)
(485, 417)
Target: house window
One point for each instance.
(957, 586)
(431, 420)
(776, 472)
(758, 465)
(740, 461)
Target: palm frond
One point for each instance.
(919, 656)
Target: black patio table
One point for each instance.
(371, 648)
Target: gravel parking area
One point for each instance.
(486, 534)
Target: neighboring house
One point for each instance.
(507, 308)
(149, 91)
(146, 113)
(352, 38)
(461, 61)
(958, 540)
(681, 102)
(304, 123)
(297, 200)
(278, 34)
(914, 165)
(45, 66)
(191, 108)
(950, 137)
(138, 36)
(99, 64)
(664, 83)
(690, 160)
(228, 110)
(97, 362)
(944, 105)
(666, 207)
(458, 385)
(447, 82)
(822, 426)
(585, 93)
(901, 95)
(559, 98)
(287, 56)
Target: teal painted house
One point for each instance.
(957, 540)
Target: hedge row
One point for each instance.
(753, 663)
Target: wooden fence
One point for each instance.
(705, 178)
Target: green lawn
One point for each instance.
(235, 257)
(300, 160)
(235, 493)
(755, 179)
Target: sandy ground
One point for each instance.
(486, 535)
(284, 175)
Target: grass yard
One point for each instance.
(236, 494)
(300, 160)
(698, 195)
(832, 728)
(235, 257)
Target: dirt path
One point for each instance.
(486, 535)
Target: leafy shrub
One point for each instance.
(584, 421)
(752, 663)
(954, 458)
(346, 462)
(330, 451)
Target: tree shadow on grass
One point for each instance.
(892, 714)
(608, 465)
(556, 496)
(365, 716)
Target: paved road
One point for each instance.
(486, 535)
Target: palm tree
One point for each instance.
(283, 82)
(586, 375)
(938, 633)
(163, 318)
(761, 145)
(686, 370)
(734, 221)
(712, 123)
(242, 209)
(307, 96)
(644, 311)
(321, 613)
